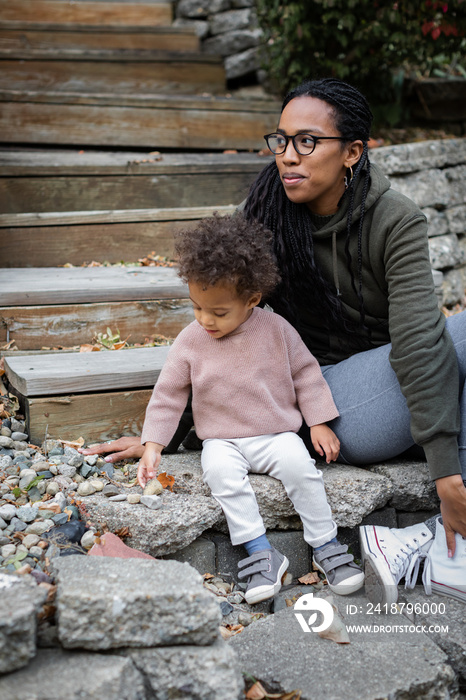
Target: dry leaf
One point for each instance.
(167, 480)
(88, 348)
(75, 443)
(122, 532)
(258, 692)
(207, 576)
(54, 507)
(311, 577)
(227, 631)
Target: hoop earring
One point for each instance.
(348, 183)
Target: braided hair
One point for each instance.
(302, 280)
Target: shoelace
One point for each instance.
(408, 566)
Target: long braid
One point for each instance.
(291, 223)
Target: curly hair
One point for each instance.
(224, 250)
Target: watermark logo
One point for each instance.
(307, 604)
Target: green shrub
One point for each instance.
(371, 44)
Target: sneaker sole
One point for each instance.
(449, 591)
(261, 593)
(380, 585)
(351, 585)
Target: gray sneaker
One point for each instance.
(264, 571)
(343, 575)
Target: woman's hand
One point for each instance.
(325, 442)
(150, 460)
(452, 494)
(123, 448)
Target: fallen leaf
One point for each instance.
(208, 576)
(227, 631)
(258, 692)
(87, 347)
(167, 480)
(310, 578)
(75, 443)
(122, 532)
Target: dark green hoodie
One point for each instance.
(401, 307)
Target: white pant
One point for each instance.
(226, 464)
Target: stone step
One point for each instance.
(119, 71)
(19, 35)
(95, 12)
(198, 122)
(69, 306)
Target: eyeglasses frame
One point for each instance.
(315, 139)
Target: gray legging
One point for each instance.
(374, 418)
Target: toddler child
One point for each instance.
(252, 381)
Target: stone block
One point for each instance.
(456, 218)
(20, 601)
(106, 603)
(456, 178)
(407, 518)
(242, 63)
(413, 488)
(200, 554)
(200, 8)
(232, 42)
(437, 222)
(55, 674)
(427, 188)
(453, 286)
(377, 664)
(201, 27)
(195, 673)
(445, 251)
(420, 156)
(233, 20)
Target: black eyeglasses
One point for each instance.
(304, 144)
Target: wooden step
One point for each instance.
(96, 12)
(45, 180)
(126, 71)
(95, 236)
(141, 121)
(99, 395)
(55, 307)
(17, 35)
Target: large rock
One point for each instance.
(388, 663)
(195, 673)
(445, 251)
(456, 217)
(106, 603)
(56, 674)
(20, 601)
(413, 488)
(422, 155)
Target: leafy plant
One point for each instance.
(370, 43)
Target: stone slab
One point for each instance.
(200, 554)
(107, 603)
(192, 673)
(409, 493)
(375, 665)
(55, 674)
(20, 601)
(422, 155)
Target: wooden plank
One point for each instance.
(95, 417)
(84, 372)
(22, 35)
(128, 74)
(35, 327)
(96, 12)
(134, 126)
(55, 285)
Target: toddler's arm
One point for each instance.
(150, 460)
(325, 442)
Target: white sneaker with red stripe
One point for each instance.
(443, 575)
(388, 555)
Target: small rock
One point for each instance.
(225, 607)
(153, 487)
(67, 470)
(17, 436)
(236, 598)
(35, 494)
(52, 488)
(31, 541)
(56, 451)
(86, 489)
(3, 524)
(133, 498)
(17, 425)
(54, 469)
(6, 432)
(97, 484)
(108, 468)
(76, 461)
(36, 552)
(8, 550)
(19, 445)
(72, 512)
(244, 618)
(91, 460)
(78, 479)
(88, 539)
(7, 442)
(60, 518)
(39, 527)
(27, 513)
(153, 502)
(118, 497)
(86, 470)
(111, 490)
(7, 511)
(17, 525)
(5, 461)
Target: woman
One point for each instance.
(357, 284)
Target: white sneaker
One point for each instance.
(388, 554)
(443, 575)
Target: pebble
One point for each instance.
(7, 442)
(153, 487)
(36, 552)
(97, 484)
(91, 460)
(244, 618)
(52, 488)
(7, 511)
(86, 489)
(133, 498)
(31, 541)
(118, 497)
(111, 490)
(152, 502)
(17, 436)
(8, 550)
(27, 513)
(88, 539)
(39, 527)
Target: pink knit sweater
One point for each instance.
(257, 380)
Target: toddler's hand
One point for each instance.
(325, 442)
(148, 465)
